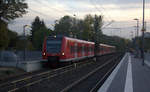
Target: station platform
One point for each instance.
(129, 76)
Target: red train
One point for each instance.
(57, 49)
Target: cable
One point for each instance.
(38, 12)
(96, 7)
(52, 8)
(108, 15)
(101, 11)
(109, 22)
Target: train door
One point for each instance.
(90, 50)
(76, 52)
(83, 53)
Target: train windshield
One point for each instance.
(54, 44)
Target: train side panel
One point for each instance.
(44, 54)
(73, 49)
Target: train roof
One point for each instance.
(82, 41)
(78, 40)
(107, 45)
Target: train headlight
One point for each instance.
(63, 53)
(44, 53)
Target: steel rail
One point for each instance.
(48, 76)
(96, 87)
(86, 76)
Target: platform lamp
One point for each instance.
(143, 30)
(24, 54)
(137, 26)
(137, 34)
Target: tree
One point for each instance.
(120, 43)
(36, 25)
(64, 26)
(11, 9)
(97, 32)
(88, 29)
(73, 27)
(13, 38)
(39, 37)
(4, 40)
(38, 33)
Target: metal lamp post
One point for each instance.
(137, 34)
(24, 54)
(137, 26)
(143, 29)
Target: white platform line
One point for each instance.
(147, 63)
(129, 81)
(109, 80)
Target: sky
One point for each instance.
(122, 12)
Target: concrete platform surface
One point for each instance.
(129, 76)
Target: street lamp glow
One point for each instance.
(137, 26)
(25, 40)
(135, 19)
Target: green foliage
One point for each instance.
(11, 9)
(38, 33)
(19, 45)
(120, 43)
(147, 44)
(90, 29)
(4, 40)
(78, 28)
(87, 28)
(30, 46)
(13, 38)
(39, 37)
(64, 26)
(27, 44)
(8, 38)
(36, 25)
(98, 23)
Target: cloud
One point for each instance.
(51, 10)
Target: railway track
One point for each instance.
(27, 81)
(94, 79)
(15, 85)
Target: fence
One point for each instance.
(10, 56)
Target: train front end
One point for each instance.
(52, 50)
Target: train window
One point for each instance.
(93, 49)
(101, 49)
(90, 49)
(53, 46)
(79, 49)
(82, 48)
(68, 44)
(72, 48)
(85, 49)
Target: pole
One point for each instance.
(137, 28)
(24, 54)
(137, 38)
(143, 29)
